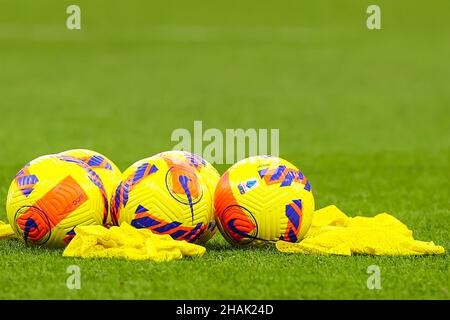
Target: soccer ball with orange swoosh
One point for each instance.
(52, 195)
(166, 194)
(263, 199)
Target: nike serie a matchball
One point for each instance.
(167, 195)
(52, 195)
(263, 199)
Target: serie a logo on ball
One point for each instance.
(263, 199)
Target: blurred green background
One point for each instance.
(365, 115)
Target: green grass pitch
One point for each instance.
(364, 114)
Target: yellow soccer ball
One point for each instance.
(207, 172)
(263, 199)
(108, 172)
(167, 196)
(51, 196)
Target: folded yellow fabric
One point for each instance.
(129, 243)
(333, 232)
(5, 231)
